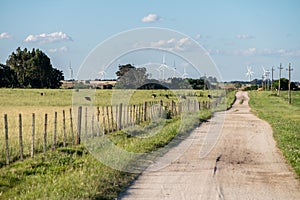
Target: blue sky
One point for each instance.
(236, 33)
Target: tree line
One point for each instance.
(29, 69)
(130, 77)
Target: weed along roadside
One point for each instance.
(55, 167)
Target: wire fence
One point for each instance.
(25, 136)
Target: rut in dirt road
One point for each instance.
(244, 164)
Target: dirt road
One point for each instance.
(244, 164)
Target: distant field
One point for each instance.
(64, 97)
(284, 119)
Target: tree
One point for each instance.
(34, 69)
(284, 84)
(8, 77)
(130, 77)
(197, 84)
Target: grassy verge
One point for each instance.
(62, 174)
(284, 119)
(73, 173)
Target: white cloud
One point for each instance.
(244, 37)
(5, 35)
(198, 36)
(250, 51)
(280, 52)
(173, 44)
(61, 49)
(48, 38)
(151, 18)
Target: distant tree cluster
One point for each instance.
(130, 77)
(29, 69)
(284, 84)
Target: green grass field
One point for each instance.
(284, 119)
(72, 172)
(28, 101)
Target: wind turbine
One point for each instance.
(265, 76)
(163, 67)
(174, 69)
(184, 75)
(71, 71)
(102, 73)
(249, 73)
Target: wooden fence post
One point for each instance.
(140, 113)
(127, 115)
(32, 136)
(172, 108)
(45, 133)
(112, 118)
(103, 121)
(145, 111)
(98, 128)
(117, 117)
(108, 121)
(85, 123)
(120, 117)
(130, 118)
(64, 129)
(6, 138)
(20, 136)
(93, 130)
(78, 139)
(151, 116)
(98, 113)
(71, 126)
(160, 108)
(137, 114)
(54, 131)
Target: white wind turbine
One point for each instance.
(71, 71)
(184, 75)
(266, 74)
(249, 73)
(102, 74)
(163, 67)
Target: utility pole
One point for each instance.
(289, 93)
(262, 82)
(272, 78)
(280, 68)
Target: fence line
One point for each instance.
(96, 122)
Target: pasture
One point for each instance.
(46, 101)
(284, 119)
(71, 172)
